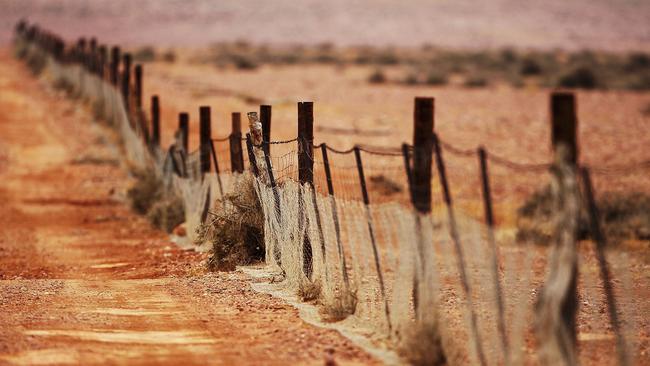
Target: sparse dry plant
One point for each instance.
(422, 345)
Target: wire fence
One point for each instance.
(398, 240)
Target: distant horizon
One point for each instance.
(600, 25)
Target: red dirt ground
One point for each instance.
(85, 281)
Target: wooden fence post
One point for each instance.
(155, 121)
(265, 120)
(115, 65)
(92, 55)
(236, 153)
(137, 70)
(101, 62)
(423, 124)
(305, 169)
(184, 127)
(205, 136)
(557, 304)
(126, 81)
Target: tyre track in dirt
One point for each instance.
(84, 280)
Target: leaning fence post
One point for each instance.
(305, 171)
(236, 153)
(115, 64)
(458, 247)
(335, 216)
(371, 232)
(557, 304)
(601, 244)
(489, 220)
(265, 120)
(155, 121)
(205, 134)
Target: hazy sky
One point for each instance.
(571, 24)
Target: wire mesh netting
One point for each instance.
(353, 241)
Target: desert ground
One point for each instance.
(83, 279)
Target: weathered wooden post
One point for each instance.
(184, 128)
(423, 124)
(155, 121)
(305, 169)
(557, 304)
(126, 81)
(265, 120)
(92, 55)
(115, 65)
(101, 61)
(137, 70)
(236, 153)
(205, 134)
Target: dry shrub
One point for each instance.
(309, 291)
(36, 62)
(422, 345)
(236, 229)
(377, 77)
(147, 189)
(343, 305)
(622, 216)
(167, 213)
(148, 196)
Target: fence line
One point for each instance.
(317, 235)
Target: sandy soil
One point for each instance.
(85, 281)
(575, 24)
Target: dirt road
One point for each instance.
(84, 280)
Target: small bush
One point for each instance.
(622, 216)
(235, 229)
(582, 77)
(639, 83)
(377, 77)
(244, 62)
(144, 54)
(530, 67)
(436, 78)
(422, 345)
(476, 81)
(309, 291)
(342, 306)
(36, 63)
(145, 192)
(169, 56)
(411, 79)
(637, 62)
(167, 213)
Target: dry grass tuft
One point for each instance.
(422, 345)
(343, 305)
(309, 291)
(167, 213)
(149, 197)
(236, 229)
(145, 192)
